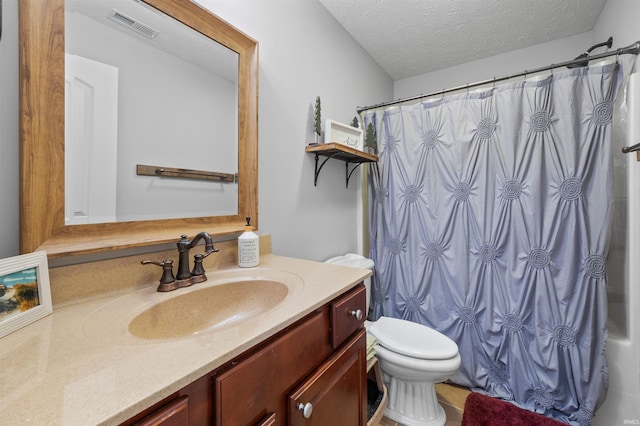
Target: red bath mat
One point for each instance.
(482, 410)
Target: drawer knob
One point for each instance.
(357, 314)
(306, 409)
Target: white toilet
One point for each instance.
(413, 358)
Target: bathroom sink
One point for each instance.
(208, 308)
(229, 298)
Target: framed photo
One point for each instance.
(25, 294)
(344, 134)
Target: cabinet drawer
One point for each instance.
(335, 393)
(344, 315)
(176, 413)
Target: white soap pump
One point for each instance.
(248, 247)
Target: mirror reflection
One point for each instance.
(142, 89)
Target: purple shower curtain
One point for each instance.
(489, 221)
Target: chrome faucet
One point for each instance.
(184, 277)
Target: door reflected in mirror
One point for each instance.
(142, 88)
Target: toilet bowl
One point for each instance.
(413, 358)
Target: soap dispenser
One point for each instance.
(248, 247)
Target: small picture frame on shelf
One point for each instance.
(344, 134)
(25, 293)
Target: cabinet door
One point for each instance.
(335, 394)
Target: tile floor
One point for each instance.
(451, 398)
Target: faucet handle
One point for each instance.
(198, 269)
(167, 281)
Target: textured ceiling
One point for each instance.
(412, 37)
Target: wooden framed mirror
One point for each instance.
(42, 138)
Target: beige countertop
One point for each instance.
(80, 365)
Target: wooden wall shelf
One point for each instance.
(339, 152)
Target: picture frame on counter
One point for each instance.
(25, 292)
(344, 134)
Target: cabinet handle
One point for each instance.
(357, 314)
(306, 409)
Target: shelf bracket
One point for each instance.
(317, 172)
(349, 173)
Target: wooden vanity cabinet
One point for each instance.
(319, 360)
(301, 364)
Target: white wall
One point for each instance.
(304, 53)
(619, 19)
(9, 208)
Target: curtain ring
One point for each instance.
(525, 75)
(551, 69)
(442, 93)
(494, 81)
(467, 89)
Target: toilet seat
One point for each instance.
(412, 339)
(411, 369)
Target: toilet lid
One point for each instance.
(412, 339)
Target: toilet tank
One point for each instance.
(356, 261)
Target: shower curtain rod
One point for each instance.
(633, 49)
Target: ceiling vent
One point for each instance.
(133, 24)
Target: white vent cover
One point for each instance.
(133, 25)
